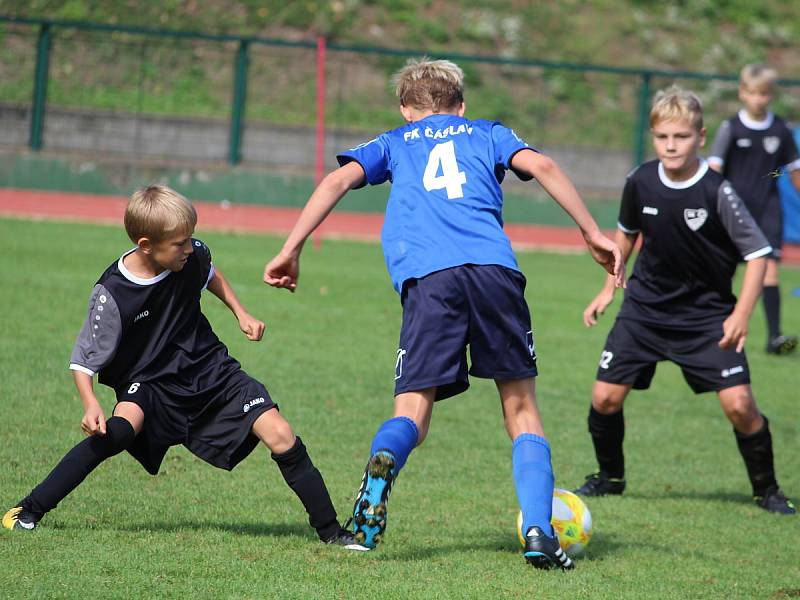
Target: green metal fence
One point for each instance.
(253, 80)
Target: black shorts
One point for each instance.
(633, 348)
(477, 306)
(215, 427)
(770, 221)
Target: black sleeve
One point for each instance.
(629, 213)
(203, 254)
(740, 225)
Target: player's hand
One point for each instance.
(734, 332)
(94, 421)
(251, 327)
(283, 271)
(607, 254)
(597, 307)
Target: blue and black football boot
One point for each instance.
(369, 511)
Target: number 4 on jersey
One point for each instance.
(451, 179)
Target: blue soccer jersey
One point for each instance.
(445, 206)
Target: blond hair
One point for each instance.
(760, 77)
(425, 84)
(157, 212)
(675, 103)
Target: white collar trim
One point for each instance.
(139, 280)
(757, 125)
(682, 185)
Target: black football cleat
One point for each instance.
(347, 540)
(774, 501)
(600, 484)
(782, 344)
(544, 552)
(19, 518)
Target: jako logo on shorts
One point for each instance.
(252, 403)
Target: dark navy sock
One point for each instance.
(306, 482)
(399, 436)
(608, 433)
(756, 450)
(77, 464)
(533, 480)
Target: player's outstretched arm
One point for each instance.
(558, 185)
(599, 304)
(250, 326)
(283, 271)
(735, 327)
(94, 419)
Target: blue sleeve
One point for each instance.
(506, 144)
(373, 156)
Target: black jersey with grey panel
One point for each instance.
(147, 330)
(694, 234)
(751, 154)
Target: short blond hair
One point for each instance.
(427, 84)
(675, 103)
(760, 77)
(157, 212)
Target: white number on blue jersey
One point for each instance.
(451, 179)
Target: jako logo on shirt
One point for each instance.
(252, 403)
(142, 315)
(732, 371)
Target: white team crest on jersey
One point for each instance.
(695, 217)
(772, 143)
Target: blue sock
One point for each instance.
(533, 480)
(398, 435)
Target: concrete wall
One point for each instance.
(151, 138)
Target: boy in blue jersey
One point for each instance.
(458, 280)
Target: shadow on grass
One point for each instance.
(254, 529)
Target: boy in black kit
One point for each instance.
(679, 305)
(750, 149)
(146, 338)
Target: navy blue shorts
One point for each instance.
(634, 348)
(477, 306)
(215, 427)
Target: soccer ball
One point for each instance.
(571, 521)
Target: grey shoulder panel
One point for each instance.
(740, 225)
(99, 337)
(722, 142)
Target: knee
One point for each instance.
(605, 402)
(742, 412)
(275, 431)
(119, 435)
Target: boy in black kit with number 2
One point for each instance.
(679, 304)
(146, 338)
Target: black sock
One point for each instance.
(306, 481)
(608, 432)
(756, 450)
(77, 464)
(772, 309)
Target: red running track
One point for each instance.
(64, 206)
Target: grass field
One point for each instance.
(686, 527)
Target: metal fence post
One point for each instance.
(40, 86)
(642, 122)
(239, 97)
